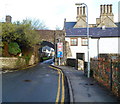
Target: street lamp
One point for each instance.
(87, 25)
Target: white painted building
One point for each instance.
(104, 35)
(98, 44)
(48, 50)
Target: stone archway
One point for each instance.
(47, 49)
(52, 36)
(46, 43)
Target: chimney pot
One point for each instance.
(8, 19)
(101, 9)
(110, 8)
(80, 10)
(107, 9)
(64, 19)
(84, 10)
(104, 8)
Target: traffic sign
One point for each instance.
(59, 49)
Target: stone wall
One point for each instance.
(68, 50)
(71, 62)
(79, 64)
(16, 63)
(11, 63)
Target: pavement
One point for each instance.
(83, 89)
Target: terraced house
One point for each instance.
(103, 36)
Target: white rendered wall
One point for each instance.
(105, 46)
(77, 49)
(108, 45)
(93, 50)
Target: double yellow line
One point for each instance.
(61, 77)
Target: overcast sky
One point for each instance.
(52, 12)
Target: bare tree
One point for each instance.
(58, 28)
(37, 24)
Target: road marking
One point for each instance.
(63, 89)
(58, 92)
(63, 86)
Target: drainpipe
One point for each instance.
(98, 47)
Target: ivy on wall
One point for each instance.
(13, 48)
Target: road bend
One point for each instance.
(41, 83)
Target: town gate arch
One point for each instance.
(53, 36)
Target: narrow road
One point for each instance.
(37, 84)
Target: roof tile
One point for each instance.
(93, 32)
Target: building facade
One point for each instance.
(104, 35)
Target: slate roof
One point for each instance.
(94, 32)
(69, 25)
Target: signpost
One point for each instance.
(59, 50)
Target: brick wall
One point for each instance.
(107, 72)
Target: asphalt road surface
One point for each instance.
(37, 84)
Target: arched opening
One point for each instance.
(46, 43)
(47, 51)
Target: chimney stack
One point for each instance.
(81, 11)
(105, 15)
(81, 16)
(8, 19)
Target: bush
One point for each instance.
(13, 48)
(27, 58)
